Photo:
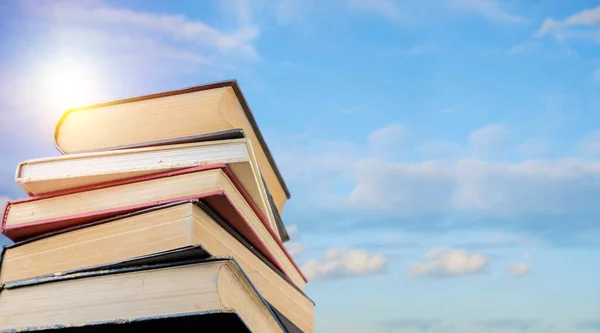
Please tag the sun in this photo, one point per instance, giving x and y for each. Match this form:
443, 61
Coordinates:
67, 83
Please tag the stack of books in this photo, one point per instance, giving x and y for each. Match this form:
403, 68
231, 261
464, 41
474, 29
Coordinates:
163, 211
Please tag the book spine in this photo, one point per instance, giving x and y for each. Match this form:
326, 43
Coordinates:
263, 220
4, 216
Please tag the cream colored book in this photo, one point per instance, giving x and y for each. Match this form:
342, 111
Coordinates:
136, 294
159, 230
168, 115
47, 175
213, 184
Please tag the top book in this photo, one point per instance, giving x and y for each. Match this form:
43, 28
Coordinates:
165, 117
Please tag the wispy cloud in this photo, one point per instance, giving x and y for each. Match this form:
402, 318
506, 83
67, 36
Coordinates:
294, 248
165, 32
389, 135
292, 231
412, 11
466, 184
489, 9
111, 51
583, 24
449, 263
342, 262
497, 189
449, 183
488, 139
388, 141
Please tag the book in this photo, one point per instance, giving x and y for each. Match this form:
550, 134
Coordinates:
214, 285
163, 233
53, 174
183, 113
215, 184
223, 321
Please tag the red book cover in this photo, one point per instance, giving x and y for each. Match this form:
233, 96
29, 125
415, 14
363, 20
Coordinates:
218, 201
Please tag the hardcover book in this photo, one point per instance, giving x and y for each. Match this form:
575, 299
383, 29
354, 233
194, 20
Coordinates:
170, 232
138, 294
44, 176
176, 114
215, 184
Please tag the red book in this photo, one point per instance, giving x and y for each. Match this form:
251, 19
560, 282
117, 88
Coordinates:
213, 184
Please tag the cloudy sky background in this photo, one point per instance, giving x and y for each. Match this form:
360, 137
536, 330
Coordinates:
443, 156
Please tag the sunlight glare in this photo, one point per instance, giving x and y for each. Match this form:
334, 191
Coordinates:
69, 83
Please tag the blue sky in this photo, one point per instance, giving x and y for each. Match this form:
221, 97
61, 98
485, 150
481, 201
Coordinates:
443, 156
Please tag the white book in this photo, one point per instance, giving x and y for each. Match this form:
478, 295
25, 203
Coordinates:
53, 174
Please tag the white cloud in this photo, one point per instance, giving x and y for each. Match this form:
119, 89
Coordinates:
527, 255
449, 263
519, 270
409, 11
133, 45
294, 248
462, 185
343, 262
113, 52
169, 29
580, 25
488, 137
465, 184
388, 140
489, 9
292, 231
471, 185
